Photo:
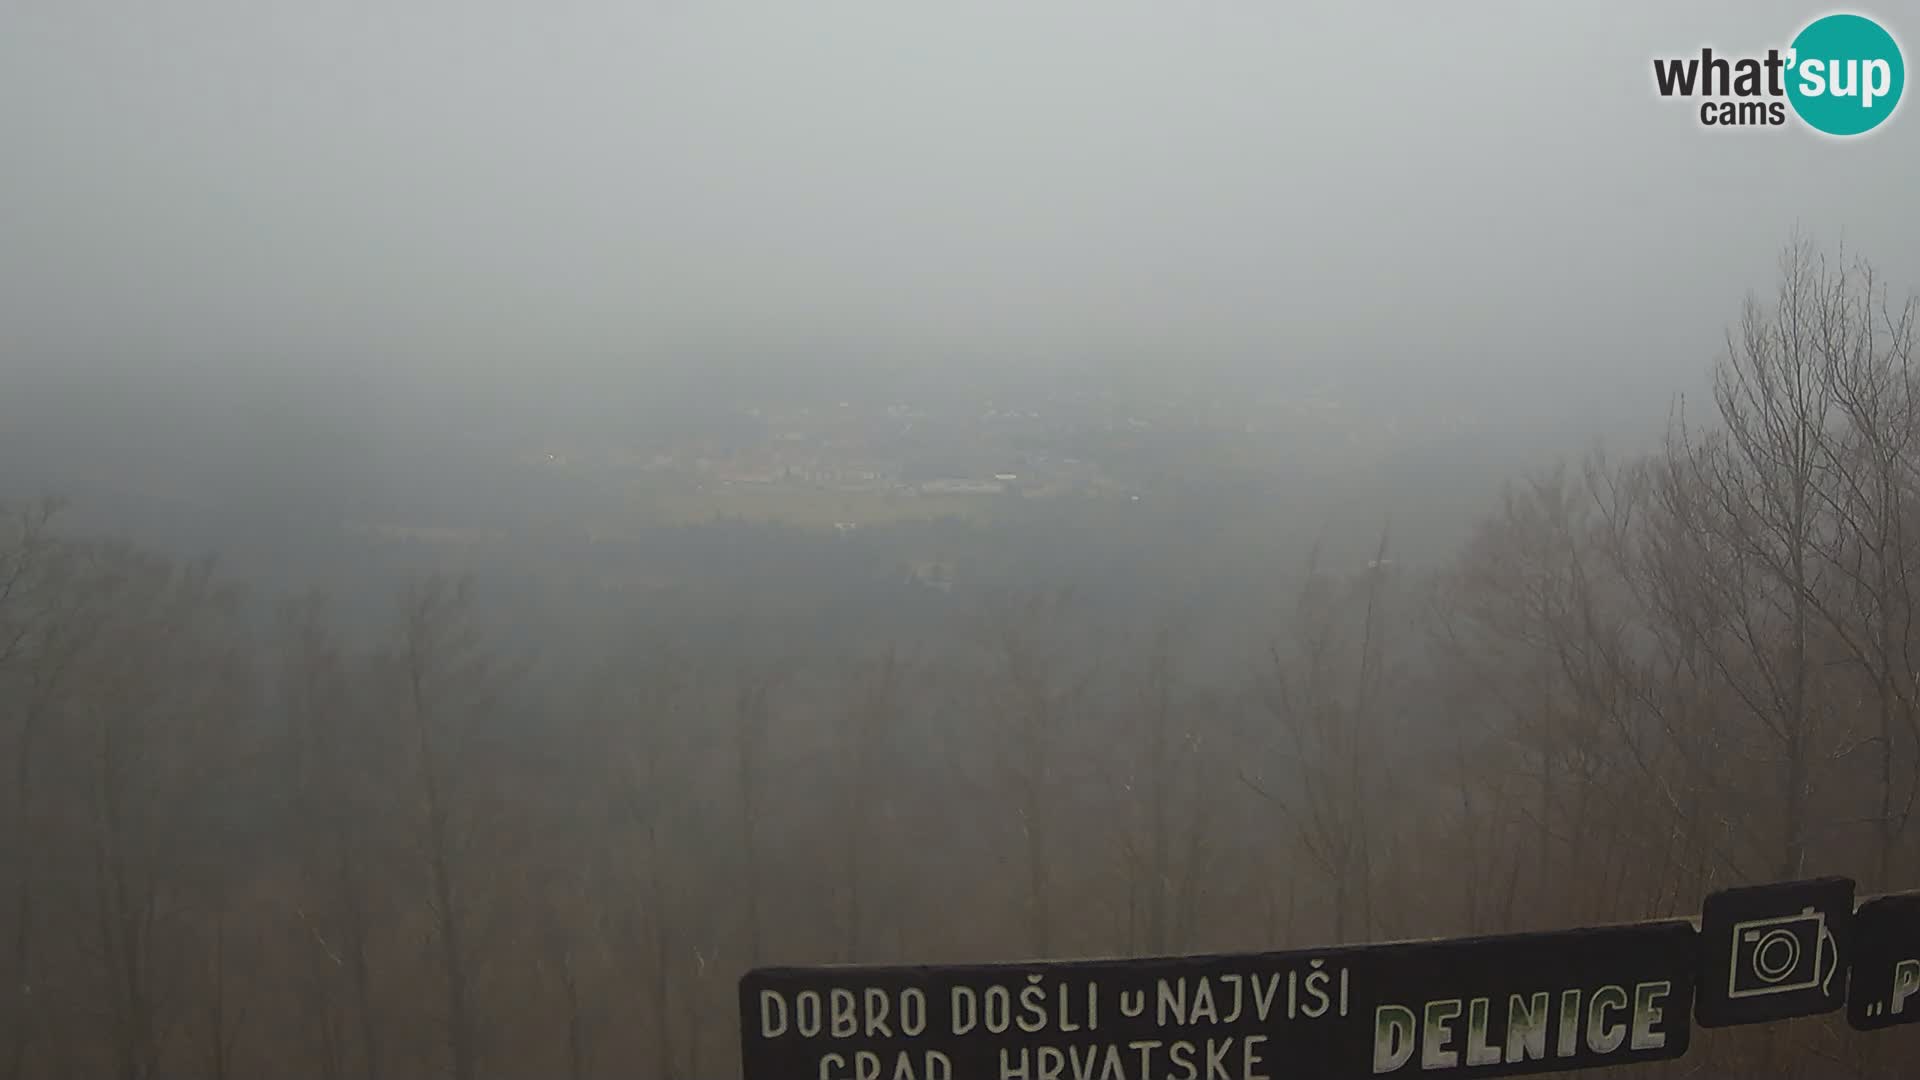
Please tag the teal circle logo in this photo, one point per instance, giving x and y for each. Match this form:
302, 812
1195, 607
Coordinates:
1846, 76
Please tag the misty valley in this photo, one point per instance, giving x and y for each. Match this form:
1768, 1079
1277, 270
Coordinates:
518, 778
958, 541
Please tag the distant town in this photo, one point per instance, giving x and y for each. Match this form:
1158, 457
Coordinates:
1047, 446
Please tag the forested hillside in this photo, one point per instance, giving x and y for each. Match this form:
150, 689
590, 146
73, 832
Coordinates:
243, 839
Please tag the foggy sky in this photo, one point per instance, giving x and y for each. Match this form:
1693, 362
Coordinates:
576, 197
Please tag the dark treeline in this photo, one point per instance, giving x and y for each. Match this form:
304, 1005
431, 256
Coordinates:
288, 851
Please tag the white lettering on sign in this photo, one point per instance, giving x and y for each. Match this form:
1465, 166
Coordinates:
867, 1065
1527, 1026
1612, 1018
1226, 999
1597, 997
1602, 1037
1647, 1011
997, 1010
1906, 980
873, 1013
1478, 1052
1230, 1058
1204, 1017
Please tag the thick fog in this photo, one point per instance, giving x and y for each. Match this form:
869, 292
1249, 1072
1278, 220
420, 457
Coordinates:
574, 198
516, 515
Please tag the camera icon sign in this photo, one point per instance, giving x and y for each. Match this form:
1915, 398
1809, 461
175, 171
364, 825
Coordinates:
1771, 952
1782, 955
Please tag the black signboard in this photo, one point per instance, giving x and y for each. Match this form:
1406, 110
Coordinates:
1495, 1006
1885, 990
1769, 952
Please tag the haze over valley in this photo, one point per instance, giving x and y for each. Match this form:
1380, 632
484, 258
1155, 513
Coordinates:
513, 520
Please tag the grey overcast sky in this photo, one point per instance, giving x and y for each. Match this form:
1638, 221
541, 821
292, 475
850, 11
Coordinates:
587, 192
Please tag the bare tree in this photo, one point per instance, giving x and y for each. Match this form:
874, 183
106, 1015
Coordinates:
1748, 500
1168, 811
566, 934
1322, 701
1863, 347
752, 713
40, 638
867, 734
222, 1017
446, 682
334, 784
1035, 693
641, 713
158, 689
